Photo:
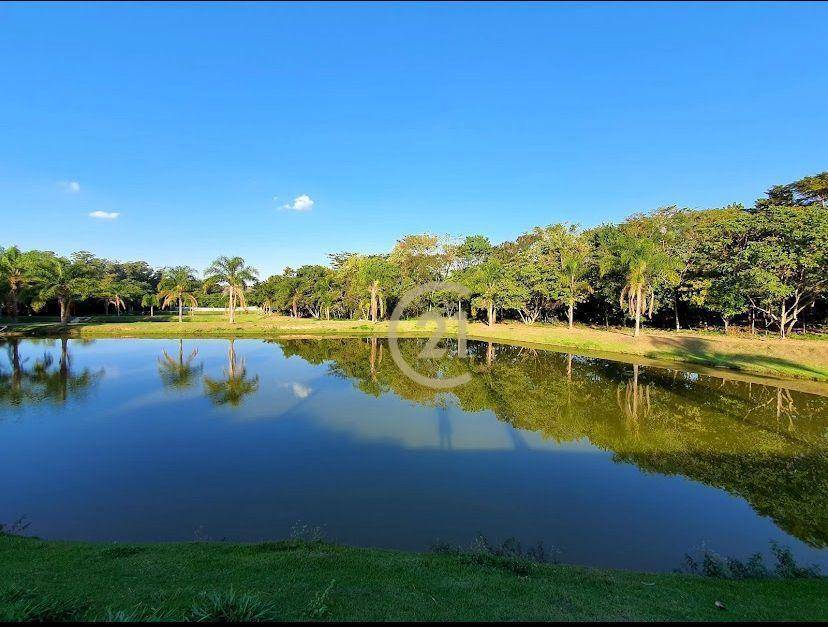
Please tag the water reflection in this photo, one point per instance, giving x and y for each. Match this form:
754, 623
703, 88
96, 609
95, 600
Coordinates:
179, 373
332, 432
25, 381
235, 385
768, 445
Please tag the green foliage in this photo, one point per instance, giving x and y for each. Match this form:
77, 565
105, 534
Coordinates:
766, 264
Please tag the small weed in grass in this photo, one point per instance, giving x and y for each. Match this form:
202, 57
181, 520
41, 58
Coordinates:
509, 555
232, 607
319, 608
121, 551
15, 528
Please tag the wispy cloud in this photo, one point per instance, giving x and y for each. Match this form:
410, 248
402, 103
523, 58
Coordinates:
300, 203
70, 187
104, 215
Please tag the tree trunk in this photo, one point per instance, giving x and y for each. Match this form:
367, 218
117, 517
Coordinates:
152, 311
675, 306
637, 313
374, 289
726, 324
180, 310
373, 358
13, 303
294, 310
491, 314
783, 320
64, 366
64, 310
571, 314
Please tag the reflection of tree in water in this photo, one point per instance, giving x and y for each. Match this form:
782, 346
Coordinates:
236, 384
12, 391
633, 400
444, 427
766, 444
180, 372
46, 380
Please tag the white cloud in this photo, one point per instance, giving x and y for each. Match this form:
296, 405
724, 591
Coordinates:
70, 187
104, 215
299, 390
300, 203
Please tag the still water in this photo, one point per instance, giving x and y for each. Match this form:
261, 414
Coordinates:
613, 464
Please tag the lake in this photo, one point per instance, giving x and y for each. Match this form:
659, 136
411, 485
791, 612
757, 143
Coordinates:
612, 464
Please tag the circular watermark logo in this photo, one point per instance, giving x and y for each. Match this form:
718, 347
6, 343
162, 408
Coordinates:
432, 350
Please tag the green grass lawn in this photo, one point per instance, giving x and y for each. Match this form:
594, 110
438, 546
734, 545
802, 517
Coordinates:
299, 580
798, 358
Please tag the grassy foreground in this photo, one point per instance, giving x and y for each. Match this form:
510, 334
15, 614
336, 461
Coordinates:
301, 580
791, 358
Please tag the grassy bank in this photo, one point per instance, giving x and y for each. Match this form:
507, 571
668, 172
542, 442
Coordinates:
297, 580
800, 358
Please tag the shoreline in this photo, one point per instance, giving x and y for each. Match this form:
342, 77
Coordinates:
789, 359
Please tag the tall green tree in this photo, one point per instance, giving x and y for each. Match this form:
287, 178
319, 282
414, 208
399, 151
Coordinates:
15, 272
63, 280
233, 275
374, 276
569, 253
152, 301
644, 266
177, 285
786, 261
494, 287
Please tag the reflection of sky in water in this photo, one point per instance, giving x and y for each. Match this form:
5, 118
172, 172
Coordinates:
126, 458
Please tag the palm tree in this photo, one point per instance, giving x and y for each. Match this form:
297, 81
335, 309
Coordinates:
644, 266
14, 270
151, 301
177, 285
574, 257
232, 275
235, 385
62, 279
179, 373
117, 302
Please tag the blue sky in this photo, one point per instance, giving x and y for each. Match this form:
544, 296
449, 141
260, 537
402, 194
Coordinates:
188, 120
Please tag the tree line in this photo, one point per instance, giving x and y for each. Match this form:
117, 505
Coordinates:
765, 266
